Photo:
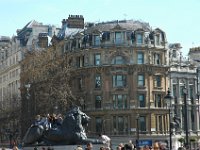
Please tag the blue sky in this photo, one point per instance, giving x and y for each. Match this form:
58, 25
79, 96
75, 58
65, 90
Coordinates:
180, 19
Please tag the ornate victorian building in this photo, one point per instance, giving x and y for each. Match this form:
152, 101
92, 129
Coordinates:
120, 76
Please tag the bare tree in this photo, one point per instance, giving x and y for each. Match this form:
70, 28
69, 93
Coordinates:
48, 74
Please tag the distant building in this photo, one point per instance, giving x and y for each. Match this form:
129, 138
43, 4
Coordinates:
34, 36
183, 73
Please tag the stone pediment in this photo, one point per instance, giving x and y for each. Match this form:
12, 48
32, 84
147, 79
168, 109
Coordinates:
117, 28
96, 31
79, 35
140, 30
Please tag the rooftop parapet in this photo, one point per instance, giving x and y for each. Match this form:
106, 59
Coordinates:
194, 49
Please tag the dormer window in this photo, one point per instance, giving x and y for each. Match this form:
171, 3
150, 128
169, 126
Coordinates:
139, 38
157, 39
174, 53
106, 36
118, 38
96, 40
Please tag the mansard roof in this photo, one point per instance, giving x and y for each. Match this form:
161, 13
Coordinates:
28, 26
122, 25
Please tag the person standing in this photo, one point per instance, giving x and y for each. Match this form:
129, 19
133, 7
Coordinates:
106, 140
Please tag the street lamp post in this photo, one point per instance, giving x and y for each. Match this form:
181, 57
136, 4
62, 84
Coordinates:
168, 100
138, 129
185, 117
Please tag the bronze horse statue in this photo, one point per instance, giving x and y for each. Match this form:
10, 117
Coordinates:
70, 132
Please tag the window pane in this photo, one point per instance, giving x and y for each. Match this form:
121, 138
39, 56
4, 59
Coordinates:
140, 58
139, 38
98, 125
106, 36
142, 123
118, 37
157, 60
97, 81
119, 80
158, 81
120, 124
158, 102
96, 40
98, 101
118, 60
141, 100
97, 59
140, 80
120, 101
157, 39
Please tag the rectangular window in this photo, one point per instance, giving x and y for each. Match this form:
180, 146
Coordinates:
174, 53
106, 36
114, 124
140, 58
120, 124
99, 125
157, 60
98, 101
157, 81
141, 80
118, 38
80, 61
181, 91
142, 124
139, 38
174, 90
157, 39
191, 90
119, 101
160, 124
119, 80
118, 60
141, 98
158, 102
96, 40
97, 59
98, 81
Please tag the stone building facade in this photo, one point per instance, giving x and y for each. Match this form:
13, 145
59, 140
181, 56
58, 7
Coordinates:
183, 74
120, 77
10, 97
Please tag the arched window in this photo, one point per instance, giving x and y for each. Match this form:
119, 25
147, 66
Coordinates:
118, 60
